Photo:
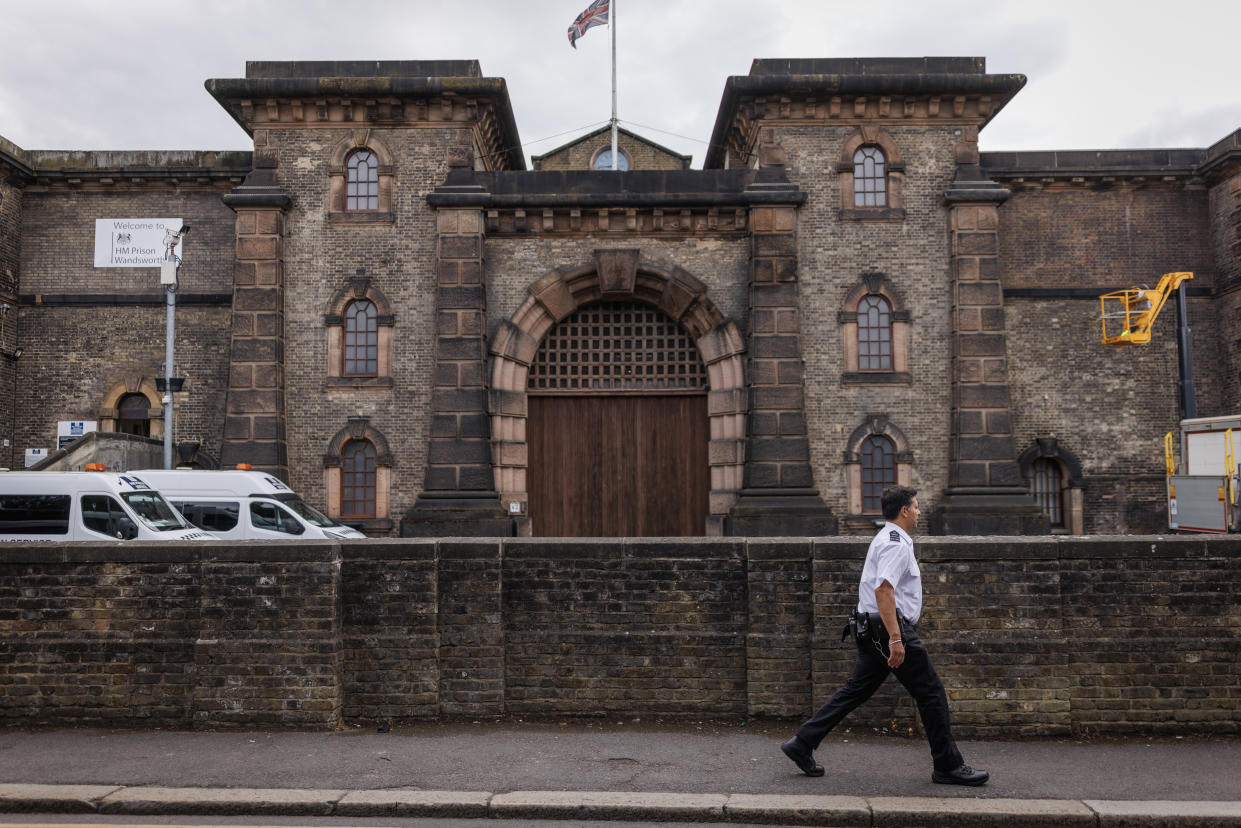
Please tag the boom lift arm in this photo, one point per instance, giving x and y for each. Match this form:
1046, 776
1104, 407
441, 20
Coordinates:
1133, 312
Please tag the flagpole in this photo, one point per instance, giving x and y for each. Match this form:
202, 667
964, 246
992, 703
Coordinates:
612, 26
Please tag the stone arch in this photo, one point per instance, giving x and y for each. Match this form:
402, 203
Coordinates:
132, 383
620, 275
361, 139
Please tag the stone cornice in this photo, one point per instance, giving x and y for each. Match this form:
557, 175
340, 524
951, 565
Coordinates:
913, 97
353, 102
1194, 167
1223, 158
108, 171
669, 190
13, 164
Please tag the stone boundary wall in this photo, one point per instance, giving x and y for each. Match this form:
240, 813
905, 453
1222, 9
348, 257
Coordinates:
1033, 636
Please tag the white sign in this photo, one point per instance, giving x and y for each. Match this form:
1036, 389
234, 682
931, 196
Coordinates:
132, 242
69, 430
34, 456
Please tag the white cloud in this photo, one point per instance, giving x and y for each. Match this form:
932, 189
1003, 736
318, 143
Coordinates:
78, 74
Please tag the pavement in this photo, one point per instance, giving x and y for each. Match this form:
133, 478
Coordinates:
616, 769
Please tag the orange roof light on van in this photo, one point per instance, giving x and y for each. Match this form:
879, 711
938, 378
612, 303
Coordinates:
96, 467
244, 467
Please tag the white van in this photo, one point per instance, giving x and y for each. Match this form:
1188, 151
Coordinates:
244, 505
90, 505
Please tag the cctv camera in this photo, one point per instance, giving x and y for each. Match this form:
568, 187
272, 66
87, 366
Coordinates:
185, 228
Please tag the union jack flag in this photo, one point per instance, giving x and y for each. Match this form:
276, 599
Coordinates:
596, 14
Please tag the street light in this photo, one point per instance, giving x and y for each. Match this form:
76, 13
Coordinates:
168, 278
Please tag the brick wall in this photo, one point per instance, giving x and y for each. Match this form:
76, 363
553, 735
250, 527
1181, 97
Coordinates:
74, 354
514, 263
1099, 236
398, 257
1032, 636
10, 247
913, 254
1225, 206
10, 251
1063, 378
625, 626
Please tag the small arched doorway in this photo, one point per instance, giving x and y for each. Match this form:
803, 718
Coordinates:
618, 430
133, 415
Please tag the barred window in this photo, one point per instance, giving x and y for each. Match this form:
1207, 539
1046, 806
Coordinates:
1045, 486
361, 353
362, 182
874, 334
617, 346
870, 185
358, 479
878, 471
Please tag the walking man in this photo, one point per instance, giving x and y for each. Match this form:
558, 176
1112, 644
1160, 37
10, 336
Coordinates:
889, 604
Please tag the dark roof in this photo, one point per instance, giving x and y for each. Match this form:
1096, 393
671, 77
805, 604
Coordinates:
363, 69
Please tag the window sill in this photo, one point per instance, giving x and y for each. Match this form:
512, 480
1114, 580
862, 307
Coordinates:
369, 526
876, 378
862, 524
358, 382
873, 214
335, 217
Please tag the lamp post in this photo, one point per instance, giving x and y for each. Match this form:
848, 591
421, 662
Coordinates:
168, 278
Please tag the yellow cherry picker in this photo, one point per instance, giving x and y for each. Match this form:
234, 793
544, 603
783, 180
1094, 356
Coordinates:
1203, 497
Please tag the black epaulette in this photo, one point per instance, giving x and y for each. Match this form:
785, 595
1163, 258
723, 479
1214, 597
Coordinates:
895, 535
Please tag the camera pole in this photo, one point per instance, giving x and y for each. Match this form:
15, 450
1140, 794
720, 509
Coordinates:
169, 269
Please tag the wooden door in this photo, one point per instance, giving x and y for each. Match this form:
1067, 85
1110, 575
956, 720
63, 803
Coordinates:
618, 466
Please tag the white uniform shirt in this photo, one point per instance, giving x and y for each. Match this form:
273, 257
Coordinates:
891, 558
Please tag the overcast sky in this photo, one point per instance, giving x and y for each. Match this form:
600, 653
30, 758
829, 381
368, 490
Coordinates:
128, 74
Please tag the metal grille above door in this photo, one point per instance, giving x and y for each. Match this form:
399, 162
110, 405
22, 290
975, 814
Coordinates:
616, 347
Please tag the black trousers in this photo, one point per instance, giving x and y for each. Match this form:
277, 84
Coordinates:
916, 674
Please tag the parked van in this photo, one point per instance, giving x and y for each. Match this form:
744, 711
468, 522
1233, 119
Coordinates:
89, 505
244, 505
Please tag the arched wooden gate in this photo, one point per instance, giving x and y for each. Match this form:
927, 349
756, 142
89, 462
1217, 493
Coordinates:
618, 429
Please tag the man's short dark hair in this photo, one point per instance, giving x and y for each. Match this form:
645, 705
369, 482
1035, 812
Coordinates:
894, 499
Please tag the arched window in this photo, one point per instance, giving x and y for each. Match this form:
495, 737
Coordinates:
1045, 485
870, 182
1054, 477
603, 160
134, 415
878, 471
358, 479
361, 351
874, 333
874, 328
362, 182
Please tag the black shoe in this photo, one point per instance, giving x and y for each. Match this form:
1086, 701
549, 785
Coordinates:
964, 775
802, 756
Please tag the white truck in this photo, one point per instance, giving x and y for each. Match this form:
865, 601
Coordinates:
87, 505
1203, 497
244, 505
